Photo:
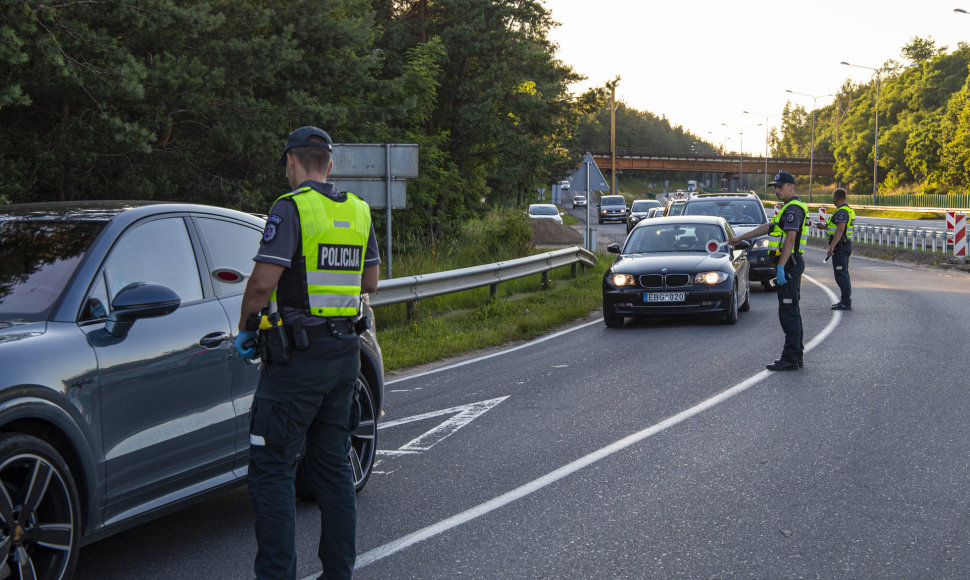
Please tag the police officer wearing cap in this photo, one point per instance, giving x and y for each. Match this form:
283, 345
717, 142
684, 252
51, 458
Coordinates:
839, 229
317, 255
788, 237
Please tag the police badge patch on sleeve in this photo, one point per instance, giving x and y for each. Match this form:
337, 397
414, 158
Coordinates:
272, 228
789, 217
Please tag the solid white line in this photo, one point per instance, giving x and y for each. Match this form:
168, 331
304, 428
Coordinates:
403, 542
488, 356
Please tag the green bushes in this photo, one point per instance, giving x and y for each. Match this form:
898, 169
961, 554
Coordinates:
453, 324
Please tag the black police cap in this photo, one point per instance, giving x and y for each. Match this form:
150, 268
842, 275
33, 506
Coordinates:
302, 138
782, 177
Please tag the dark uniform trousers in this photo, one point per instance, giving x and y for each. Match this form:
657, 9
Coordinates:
789, 313
840, 265
306, 400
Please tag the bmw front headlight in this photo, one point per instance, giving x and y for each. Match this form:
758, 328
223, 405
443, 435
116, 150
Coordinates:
710, 278
620, 280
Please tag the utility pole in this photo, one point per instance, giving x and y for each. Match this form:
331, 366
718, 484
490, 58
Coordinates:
612, 86
613, 137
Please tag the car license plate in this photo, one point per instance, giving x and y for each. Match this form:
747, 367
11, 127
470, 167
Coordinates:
664, 297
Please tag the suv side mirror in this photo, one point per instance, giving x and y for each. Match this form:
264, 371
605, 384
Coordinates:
139, 300
613, 248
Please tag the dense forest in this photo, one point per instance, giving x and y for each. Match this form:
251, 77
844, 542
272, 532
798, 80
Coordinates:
191, 101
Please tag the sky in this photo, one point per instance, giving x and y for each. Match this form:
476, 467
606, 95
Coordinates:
701, 63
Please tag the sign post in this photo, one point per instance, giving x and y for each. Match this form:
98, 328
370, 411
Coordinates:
591, 178
376, 173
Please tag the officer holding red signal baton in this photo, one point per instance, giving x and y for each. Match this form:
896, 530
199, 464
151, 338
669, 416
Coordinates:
788, 232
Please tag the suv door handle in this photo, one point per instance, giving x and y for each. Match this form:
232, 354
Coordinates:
214, 339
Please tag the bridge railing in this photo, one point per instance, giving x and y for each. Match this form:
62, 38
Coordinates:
629, 152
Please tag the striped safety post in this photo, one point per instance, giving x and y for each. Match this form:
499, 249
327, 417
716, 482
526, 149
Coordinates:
822, 217
951, 218
778, 208
960, 236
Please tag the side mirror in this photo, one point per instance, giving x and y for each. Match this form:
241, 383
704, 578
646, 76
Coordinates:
742, 245
139, 300
613, 248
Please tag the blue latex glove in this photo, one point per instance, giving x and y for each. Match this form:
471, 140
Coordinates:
244, 337
780, 279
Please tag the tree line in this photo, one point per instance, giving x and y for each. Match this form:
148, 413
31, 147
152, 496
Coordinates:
924, 124
192, 101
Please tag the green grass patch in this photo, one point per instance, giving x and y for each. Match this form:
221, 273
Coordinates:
569, 220
454, 324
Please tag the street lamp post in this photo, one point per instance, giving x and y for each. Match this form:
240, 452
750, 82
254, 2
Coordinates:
741, 129
766, 145
875, 145
811, 159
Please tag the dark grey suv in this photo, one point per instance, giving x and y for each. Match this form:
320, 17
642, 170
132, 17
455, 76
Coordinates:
745, 212
121, 396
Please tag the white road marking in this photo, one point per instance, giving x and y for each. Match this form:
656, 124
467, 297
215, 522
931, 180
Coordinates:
462, 416
494, 354
482, 509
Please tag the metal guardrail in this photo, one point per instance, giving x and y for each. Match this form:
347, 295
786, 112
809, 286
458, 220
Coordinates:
909, 238
413, 288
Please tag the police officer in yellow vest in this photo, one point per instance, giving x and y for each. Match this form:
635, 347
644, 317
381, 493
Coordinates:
788, 232
839, 227
317, 255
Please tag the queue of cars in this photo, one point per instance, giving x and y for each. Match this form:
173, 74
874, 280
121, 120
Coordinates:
679, 264
122, 397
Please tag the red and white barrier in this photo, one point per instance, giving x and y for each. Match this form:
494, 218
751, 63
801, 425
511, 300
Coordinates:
822, 217
951, 217
778, 207
960, 236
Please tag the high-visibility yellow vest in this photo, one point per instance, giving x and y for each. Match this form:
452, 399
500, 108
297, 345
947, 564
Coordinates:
776, 234
831, 226
334, 237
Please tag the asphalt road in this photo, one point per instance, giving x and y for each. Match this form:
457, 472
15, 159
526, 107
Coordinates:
660, 449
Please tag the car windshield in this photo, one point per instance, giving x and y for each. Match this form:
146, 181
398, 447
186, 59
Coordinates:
543, 210
37, 259
735, 211
672, 238
613, 200
643, 206
676, 209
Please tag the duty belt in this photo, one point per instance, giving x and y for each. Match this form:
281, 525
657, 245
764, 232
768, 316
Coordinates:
331, 327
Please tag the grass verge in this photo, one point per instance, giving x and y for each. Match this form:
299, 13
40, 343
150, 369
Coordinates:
450, 325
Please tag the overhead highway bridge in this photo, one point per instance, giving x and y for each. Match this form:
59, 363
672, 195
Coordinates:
732, 165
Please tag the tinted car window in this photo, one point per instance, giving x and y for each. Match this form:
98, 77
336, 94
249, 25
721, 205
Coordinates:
672, 238
644, 205
230, 246
738, 211
540, 210
613, 200
136, 258
37, 258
